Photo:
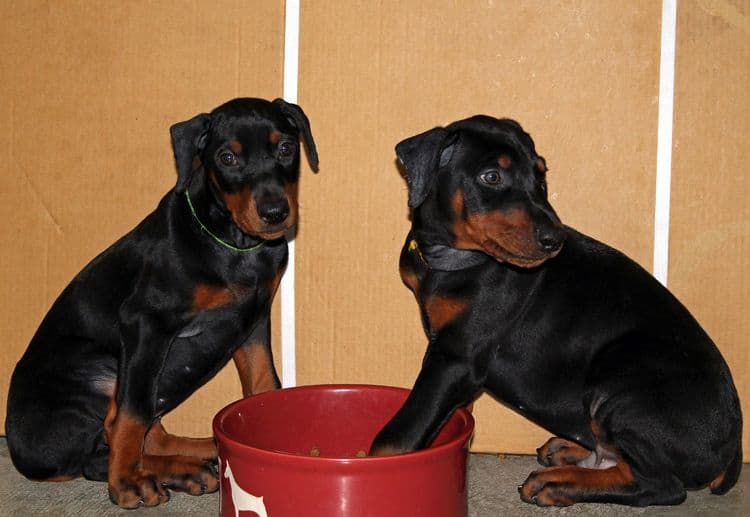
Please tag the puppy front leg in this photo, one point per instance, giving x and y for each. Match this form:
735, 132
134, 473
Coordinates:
131, 414
254, 360
130, 486
443, 385
160, 443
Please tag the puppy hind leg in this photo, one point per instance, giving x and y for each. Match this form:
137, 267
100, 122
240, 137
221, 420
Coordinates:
570, 484
50, 445
727, 479
96, 466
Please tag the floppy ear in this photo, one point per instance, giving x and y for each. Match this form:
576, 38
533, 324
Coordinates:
421, 156
298, 118
188, 139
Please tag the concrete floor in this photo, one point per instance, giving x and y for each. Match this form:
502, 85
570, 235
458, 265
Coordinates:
492, 493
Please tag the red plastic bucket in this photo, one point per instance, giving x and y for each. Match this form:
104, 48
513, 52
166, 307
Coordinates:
295, 453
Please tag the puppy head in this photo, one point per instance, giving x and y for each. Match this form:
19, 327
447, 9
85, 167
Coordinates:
480, 183
250, 153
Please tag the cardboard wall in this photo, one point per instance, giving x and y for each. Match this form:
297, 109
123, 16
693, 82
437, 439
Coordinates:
709, 267
582, 80
90, 91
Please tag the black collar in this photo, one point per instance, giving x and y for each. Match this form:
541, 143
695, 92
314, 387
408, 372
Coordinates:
440, 257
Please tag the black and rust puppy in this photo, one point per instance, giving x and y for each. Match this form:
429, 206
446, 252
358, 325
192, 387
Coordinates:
564, 329
158, 313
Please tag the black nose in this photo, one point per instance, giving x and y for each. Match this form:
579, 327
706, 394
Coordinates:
550, 238
275, 212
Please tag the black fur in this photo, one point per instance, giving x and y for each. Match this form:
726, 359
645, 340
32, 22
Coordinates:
565, 330
158, 313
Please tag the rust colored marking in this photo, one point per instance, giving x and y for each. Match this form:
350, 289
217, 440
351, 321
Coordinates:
56, 479
244, 369
507, 235
558, 451
292, 197
245, 215
125, 437
255, 367
441, 310
159, 442
130, 486
541, 164
505, 161
207, 297
274, 137
410, 279
109, 418
595, 428
244, 211
563, 486
457, 203
212, 177
274, 282
185, 474
236, 147
716, 483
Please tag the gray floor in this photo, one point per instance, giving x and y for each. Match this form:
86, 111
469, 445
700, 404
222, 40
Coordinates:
492, 492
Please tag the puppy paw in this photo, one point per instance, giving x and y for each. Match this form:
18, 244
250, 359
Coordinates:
558, 451
185, 473
541, 490
140, 488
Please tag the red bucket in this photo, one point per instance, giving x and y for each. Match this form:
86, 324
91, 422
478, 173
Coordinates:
297, 453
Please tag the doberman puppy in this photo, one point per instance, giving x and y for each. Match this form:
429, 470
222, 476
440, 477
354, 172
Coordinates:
158, 314
565, 330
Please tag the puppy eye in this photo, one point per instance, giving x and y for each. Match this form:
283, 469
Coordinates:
286, 149
491, 178
228, 159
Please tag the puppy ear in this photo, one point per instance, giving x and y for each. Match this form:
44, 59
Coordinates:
298, 118
421, 156
188, 139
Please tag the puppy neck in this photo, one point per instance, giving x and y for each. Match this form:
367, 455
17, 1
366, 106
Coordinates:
441, 257
212, 219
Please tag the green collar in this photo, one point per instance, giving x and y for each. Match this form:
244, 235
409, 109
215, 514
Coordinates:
216, 238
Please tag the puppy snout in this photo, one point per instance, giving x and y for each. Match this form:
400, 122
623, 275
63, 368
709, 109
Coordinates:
274, 212
550, 238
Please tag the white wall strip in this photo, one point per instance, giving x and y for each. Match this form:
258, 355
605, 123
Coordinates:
664, 140
288, 330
